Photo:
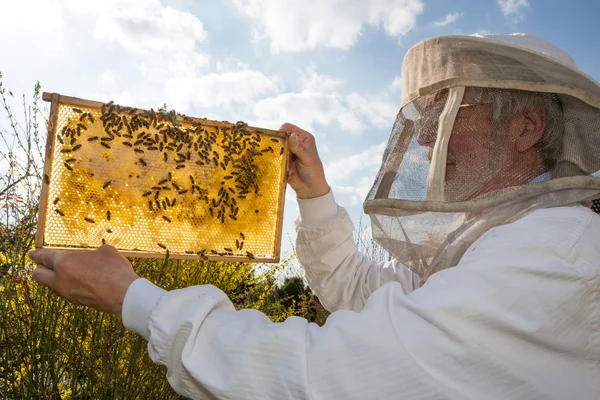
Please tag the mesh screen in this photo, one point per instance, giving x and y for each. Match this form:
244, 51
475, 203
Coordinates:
145, 181
501, 139
501, 142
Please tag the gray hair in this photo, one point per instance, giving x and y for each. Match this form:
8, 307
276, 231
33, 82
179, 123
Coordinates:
507, 103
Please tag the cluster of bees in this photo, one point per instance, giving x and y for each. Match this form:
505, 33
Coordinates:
153, 135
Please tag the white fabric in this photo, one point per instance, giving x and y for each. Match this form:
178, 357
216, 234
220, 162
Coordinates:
532, 43
517, 318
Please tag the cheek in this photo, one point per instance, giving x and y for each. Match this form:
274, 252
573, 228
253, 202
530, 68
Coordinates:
467, 140
462, 142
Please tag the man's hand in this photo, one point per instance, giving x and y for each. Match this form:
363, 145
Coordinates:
98, 278
305, 169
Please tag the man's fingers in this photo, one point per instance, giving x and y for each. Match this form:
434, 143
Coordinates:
44, 276
48, 258
291, 128
107, 248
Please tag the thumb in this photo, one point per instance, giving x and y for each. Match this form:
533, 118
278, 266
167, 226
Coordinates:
299, 149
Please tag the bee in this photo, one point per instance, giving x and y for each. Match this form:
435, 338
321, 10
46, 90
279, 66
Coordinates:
237, 244
163, 181
165, 156
108, 215
138, 150
152, 148
275, 140
189, 252
56, 200
81, 127
162, 246
160, 146
72, 141
67, 166
212, 213
146, 194
233, 217
249, 255
281, 152
127, 144
91, 221
71, 160
109, 231
214, 252
200, 163
169, 176
105, 145
103, 241
65, 150
183, 191
106, 184
255, 211
90, 117
180, 166
176, 186
228, 177
166, 218
46, 179
143, 162
62, 214
227, 249
164, 206
150, 205
77, 110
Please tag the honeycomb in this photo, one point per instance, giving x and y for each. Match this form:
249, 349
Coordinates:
149, 181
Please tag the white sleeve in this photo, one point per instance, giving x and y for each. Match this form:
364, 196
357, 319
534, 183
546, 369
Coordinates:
337, 272
502, 324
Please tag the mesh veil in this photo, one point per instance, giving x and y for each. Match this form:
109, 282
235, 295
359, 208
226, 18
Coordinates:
487, 132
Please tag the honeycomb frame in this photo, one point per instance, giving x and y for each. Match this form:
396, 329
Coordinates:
153, 183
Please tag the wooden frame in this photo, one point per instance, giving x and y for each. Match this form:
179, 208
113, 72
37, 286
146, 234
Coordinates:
56, 99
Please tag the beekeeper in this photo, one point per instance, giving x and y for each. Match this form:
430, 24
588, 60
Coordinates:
482, 198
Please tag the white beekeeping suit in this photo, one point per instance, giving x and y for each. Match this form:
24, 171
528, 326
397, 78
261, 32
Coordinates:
494, 292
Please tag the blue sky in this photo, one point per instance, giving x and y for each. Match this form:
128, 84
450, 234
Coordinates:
330, 66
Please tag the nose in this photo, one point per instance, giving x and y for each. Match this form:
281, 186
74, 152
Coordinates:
426, 132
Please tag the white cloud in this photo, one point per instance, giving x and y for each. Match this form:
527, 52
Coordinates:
449, 19
220, 89
380, 112
142, 25
295, 26
314, 81
33, 25
304, 109
513, 8
322, 101
396, 84
366, 162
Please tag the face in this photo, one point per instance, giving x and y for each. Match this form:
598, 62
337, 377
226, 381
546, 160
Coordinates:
481, 152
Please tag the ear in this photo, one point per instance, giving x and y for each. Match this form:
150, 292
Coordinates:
532, 129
